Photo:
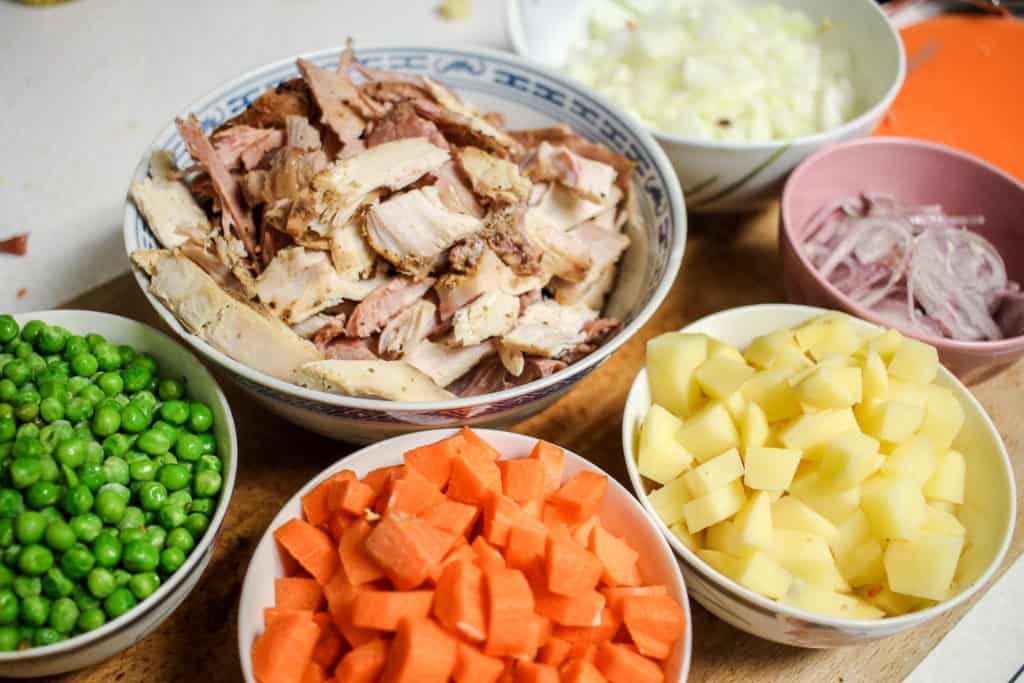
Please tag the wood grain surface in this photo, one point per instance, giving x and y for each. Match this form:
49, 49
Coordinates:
730, 261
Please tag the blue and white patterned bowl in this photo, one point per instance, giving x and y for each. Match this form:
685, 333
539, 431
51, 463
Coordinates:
529, 96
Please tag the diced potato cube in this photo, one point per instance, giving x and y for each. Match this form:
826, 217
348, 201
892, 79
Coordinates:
671, 361
709, 432
886, 343
943, 416
716, 347
893, 604
811, 332
736, 404
754, 430
792, 513
862, 565
915, 361
714, 474
661, 458
769, 469
914, 459
753, 523
839, 339
908, 392
942, 522
874, 378
848, 459
947, 482
894, 506
892, 421
830, 386
722, 537
692, 541
943, 505
809, 431
763, 351
924, 565
770, 390
852, 531
761, 574
811, 598
808, 557
722, 503
720, 376
825, 500
670, 500
723, 563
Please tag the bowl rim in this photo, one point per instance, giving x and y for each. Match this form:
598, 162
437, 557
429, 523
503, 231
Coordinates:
204, 545
514, 31
686, 642
789, 190
676, 214
761, 603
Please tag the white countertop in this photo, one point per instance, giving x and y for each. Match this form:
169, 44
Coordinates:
88, 85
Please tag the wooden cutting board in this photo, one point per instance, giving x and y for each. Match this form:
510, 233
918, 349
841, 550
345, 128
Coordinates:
730, 261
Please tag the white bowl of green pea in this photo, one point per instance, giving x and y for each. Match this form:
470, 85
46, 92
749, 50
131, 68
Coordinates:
117, 463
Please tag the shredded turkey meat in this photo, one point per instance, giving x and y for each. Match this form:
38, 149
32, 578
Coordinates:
371, 233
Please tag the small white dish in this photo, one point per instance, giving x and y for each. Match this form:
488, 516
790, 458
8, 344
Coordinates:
988, 512
619, 512
120, 633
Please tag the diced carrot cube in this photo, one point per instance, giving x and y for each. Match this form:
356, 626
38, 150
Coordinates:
532, 672
352, 497
271, 613
552, 457
412, 493
315, 503
580, 497
581, 671
654, 623
359, 566
522, 479
473, 666
382, 610
315, 673
337, 522
459, 603
619, 664
341, 596
605, 630
584, 650
473, 480
329, 647
532, 508
554, 652
422, 652
616, 595
363, 664
487, 557
381, 477
311, 548
476, 447
527, 543
298, 593
581, 534
460, 553
545, 629
407, 549
582, 609
500, 513
453, 516
571, 569
510, 609
285, 648
620, 566
434, 461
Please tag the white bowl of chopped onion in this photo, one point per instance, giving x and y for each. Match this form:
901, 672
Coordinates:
737, 92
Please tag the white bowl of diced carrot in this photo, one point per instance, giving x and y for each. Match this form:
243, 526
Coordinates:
472, 556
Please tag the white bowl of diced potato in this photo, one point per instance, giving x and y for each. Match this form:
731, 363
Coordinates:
825, 481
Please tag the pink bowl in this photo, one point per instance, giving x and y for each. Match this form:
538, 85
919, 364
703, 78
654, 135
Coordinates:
921, 173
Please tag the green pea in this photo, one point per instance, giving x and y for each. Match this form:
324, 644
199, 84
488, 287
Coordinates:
171, 559
76, 384
111, 383
22, 350
91, 619
29, 527
107, 550
6, 575
140, 556
93, 394
85, 365
133, 420
145, 398
36, 363
119, 602
9, 638
101, 582
146, 360
63, 615
203, 505
181, 538
17, 371
106, 420
82, 597
28, 586
108, 356
144, 584
6, 532
8, 389
77, 562
51, 409
27, 431
6, 411
132, 519
9, 607
91, 476
172, 516
110, 507
77, 500
116, 470
136, 378
50, 340
78, 408
94, 339
35, 559
153, 442
75, 345
8, 427
180, 498
86, 527
174, 477
200, 417
60, 536
196, 524
94, 453
209, 463
48, 469
170, 390
56, 585
152, 495
8, 328
71, 452
35, 610
168, 430
116, 445
127, 354
27, 412
206, 484
11, 502
45, 636
131, 534
25, 471
143, 469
